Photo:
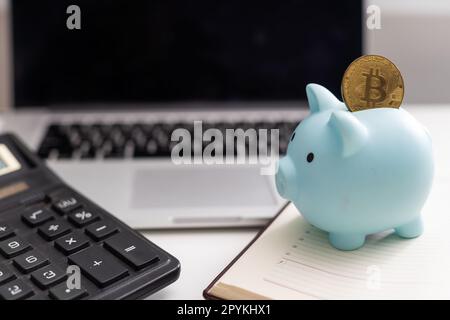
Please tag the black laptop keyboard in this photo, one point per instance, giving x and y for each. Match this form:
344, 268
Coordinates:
138, 140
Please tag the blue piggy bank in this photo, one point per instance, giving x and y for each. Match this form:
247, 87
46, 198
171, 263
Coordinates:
354, 174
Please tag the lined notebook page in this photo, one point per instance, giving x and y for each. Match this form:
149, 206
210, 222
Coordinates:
293, 260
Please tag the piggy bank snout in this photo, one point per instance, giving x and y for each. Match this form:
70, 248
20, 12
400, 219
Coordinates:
285, 178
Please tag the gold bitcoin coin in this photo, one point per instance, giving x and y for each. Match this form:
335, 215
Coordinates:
372, 81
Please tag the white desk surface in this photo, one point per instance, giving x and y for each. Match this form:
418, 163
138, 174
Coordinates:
204, 253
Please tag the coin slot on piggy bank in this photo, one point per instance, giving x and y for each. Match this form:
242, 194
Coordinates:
352, 174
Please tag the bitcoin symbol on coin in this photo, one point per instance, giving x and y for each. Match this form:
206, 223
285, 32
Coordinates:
372, 81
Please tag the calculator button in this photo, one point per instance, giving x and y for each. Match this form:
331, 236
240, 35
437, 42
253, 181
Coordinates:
82, 217
132, 249
5, 231
13, 247
65, 202
30, 261
101, 230
33, 198
72, 242
36, 216
61, 292
5, 274
99, 265
15, 290
54, 229
47, 276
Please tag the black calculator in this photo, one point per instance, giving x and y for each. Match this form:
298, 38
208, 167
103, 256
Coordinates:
57, 244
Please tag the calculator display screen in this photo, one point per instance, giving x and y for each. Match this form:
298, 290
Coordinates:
8, 163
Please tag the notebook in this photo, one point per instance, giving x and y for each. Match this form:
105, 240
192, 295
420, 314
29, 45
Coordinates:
291, 259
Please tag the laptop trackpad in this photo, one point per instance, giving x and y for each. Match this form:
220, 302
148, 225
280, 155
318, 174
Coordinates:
202, 186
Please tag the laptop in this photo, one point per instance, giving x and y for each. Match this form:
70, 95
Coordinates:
99, 90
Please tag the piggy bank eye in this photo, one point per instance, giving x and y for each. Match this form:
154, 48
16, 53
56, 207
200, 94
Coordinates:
310, 157
293, 136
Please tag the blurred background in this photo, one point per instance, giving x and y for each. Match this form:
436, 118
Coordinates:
414, 34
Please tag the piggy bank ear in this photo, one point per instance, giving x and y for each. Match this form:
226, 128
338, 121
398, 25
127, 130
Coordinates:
352, 133
320, 98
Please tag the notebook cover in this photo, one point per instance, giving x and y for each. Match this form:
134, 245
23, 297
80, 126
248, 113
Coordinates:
208, 296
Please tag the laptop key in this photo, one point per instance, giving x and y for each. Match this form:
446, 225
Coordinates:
99, 265
62, 292
15, 290
30, 261
13, 247
131, 249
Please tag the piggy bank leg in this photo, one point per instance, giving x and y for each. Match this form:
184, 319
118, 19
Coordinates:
410, 230
345, 241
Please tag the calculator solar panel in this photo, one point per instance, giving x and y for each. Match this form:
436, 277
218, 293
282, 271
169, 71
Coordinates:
57, 244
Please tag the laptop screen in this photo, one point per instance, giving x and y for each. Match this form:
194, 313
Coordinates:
180, 51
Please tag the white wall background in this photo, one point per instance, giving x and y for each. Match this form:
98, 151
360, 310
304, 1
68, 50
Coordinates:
415, 34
